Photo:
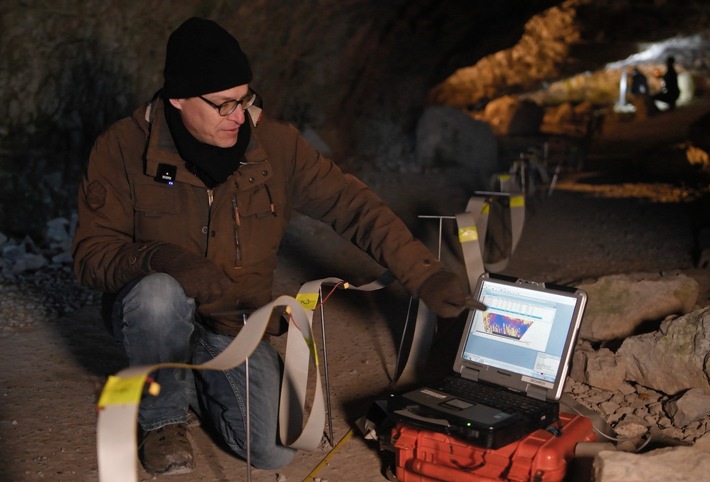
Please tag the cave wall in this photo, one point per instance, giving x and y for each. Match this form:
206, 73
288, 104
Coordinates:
355, 72
581, 36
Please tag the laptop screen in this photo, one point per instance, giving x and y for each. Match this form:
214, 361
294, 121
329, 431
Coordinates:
525, 330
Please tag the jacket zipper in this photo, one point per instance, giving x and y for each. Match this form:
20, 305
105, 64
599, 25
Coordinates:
210, 200
237, 223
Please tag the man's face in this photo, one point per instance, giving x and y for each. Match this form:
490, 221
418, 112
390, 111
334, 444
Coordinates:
204, 122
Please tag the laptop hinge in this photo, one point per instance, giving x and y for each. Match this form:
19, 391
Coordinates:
470, 373
539, 393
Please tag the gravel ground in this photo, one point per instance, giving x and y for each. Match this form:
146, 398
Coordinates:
32, 298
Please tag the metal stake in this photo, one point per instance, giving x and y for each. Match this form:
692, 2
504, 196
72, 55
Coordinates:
325, 369
441, 228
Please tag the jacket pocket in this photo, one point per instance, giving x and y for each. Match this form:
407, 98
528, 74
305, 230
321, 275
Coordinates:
158, 214
258, 201
156, 200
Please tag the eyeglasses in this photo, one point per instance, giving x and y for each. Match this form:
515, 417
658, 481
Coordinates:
226, 108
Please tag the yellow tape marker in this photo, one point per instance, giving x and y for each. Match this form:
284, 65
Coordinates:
468, 233
312, 348
504, 177
486, 208
308, 301
122, 391
517, 201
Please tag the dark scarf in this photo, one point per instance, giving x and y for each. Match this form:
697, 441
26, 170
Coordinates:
212, 164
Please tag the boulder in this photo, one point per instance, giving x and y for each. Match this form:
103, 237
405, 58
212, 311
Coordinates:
600, 369
618, 304
510, 116
674, 358
662, 465
692, 405
448, 137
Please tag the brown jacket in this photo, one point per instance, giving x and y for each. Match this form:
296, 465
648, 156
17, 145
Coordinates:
123, 210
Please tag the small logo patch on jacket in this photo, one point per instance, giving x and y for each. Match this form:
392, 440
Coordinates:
95, 195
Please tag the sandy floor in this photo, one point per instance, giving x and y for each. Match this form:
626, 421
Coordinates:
591, 226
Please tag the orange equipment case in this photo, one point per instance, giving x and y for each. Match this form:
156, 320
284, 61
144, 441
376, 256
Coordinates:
425, 456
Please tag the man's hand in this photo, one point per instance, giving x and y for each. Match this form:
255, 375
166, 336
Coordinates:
199, 277
443, 293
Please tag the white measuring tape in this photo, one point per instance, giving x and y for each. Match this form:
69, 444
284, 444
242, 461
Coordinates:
119, 401
473, 228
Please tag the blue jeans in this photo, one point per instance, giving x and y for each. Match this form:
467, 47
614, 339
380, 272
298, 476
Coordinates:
155, 322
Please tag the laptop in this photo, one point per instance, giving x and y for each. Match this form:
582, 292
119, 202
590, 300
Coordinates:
510, 367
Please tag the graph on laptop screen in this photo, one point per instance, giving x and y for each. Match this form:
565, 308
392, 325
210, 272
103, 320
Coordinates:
523, 330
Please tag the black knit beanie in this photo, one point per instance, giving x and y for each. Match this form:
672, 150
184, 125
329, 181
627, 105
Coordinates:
202, 58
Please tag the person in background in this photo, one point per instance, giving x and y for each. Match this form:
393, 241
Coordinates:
669, 89
182, 209
639, 83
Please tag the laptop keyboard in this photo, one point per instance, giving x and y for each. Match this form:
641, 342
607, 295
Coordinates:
492, 396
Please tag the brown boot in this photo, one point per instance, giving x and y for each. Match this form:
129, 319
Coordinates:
167, 450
